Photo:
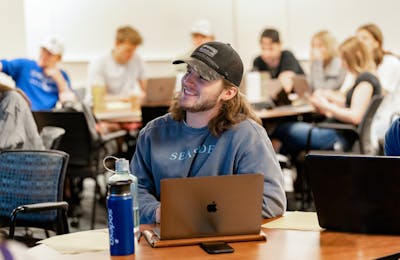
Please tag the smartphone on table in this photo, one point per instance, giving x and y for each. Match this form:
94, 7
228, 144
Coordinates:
217, 247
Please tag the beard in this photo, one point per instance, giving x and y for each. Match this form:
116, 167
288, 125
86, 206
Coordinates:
199, 105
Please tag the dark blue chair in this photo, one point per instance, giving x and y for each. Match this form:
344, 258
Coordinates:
31, 190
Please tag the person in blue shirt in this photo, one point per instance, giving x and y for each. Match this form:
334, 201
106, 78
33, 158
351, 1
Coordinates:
42, 81
211, 130
392, 139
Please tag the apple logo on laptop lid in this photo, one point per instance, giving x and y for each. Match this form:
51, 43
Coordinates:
212, 207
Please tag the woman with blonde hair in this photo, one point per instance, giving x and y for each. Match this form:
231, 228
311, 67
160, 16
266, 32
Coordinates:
18, 129
357, 60
326, 71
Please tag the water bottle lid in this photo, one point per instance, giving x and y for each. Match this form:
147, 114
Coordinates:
119, 187
122, 165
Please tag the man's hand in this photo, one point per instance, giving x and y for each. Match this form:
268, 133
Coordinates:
54, 73
64, 93
286, 79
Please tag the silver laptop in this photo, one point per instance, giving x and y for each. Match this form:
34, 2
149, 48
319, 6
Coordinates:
211, 206
160, 91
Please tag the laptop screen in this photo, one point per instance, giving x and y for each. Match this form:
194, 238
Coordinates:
160, 90
356, 193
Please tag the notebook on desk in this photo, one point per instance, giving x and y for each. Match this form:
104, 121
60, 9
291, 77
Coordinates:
160, 91
211, 206
356, 193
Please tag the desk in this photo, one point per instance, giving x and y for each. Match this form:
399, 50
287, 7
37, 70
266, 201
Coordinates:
281, 244
285, 111
135, 115
122, 116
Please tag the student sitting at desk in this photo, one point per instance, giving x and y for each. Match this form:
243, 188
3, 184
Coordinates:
326, 69
211, 130
357, 60
119, 70
281, 64
42, 81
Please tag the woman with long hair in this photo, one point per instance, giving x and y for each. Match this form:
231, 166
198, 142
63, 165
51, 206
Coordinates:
387, 64
326, 71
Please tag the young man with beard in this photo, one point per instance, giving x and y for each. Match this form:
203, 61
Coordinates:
210, 130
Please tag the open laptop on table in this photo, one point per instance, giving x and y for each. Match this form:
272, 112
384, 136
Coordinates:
356, 193
276, 92
211, 206
160, 91
301, 86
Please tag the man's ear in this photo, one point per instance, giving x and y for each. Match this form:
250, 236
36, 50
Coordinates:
229, 93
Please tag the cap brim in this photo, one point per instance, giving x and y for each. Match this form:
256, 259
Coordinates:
49, 49
201, 68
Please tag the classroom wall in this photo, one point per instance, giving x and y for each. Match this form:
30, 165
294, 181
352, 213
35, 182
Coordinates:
88, 26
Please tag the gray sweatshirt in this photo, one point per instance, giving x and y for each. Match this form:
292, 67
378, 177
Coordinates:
170, 149
18, 129
329, 77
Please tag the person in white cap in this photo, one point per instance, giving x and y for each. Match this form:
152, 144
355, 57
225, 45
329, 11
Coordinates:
201, 33
42, 81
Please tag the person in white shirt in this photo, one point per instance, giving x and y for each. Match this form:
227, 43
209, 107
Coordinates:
121, 69
388, 71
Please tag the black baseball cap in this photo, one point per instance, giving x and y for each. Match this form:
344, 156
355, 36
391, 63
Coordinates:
216, 60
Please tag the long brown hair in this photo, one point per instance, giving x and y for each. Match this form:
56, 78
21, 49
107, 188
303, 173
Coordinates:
356, 55
376, 33
231, 112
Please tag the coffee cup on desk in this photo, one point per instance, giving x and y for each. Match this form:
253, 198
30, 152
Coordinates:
135, 102
98, 94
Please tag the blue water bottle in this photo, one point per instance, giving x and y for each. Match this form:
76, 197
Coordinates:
120, 220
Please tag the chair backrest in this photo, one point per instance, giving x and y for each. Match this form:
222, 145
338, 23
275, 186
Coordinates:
51, 136
78, 140
364, 128
151, 112
31, 176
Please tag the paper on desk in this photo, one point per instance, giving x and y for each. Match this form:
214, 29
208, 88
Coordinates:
296, 220
79, 242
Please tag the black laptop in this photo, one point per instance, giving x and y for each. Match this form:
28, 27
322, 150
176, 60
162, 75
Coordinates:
355, 193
